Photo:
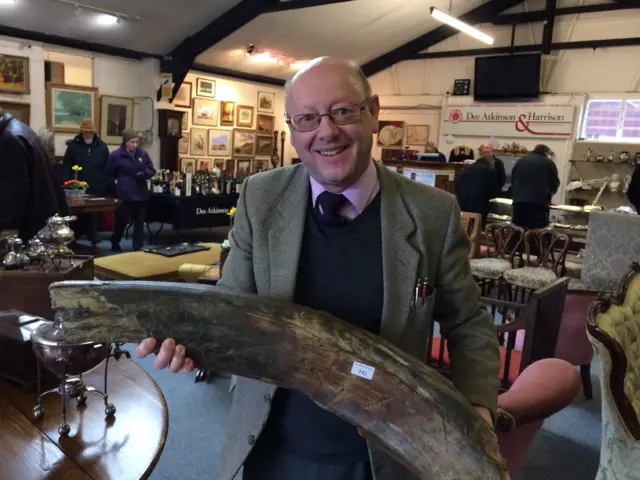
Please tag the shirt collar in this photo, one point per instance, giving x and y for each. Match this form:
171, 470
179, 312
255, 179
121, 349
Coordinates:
358, 194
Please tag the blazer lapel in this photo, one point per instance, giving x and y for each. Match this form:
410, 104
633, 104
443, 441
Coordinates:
400, 260
285, 237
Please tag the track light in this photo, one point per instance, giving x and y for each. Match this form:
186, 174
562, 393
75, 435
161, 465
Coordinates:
459, 25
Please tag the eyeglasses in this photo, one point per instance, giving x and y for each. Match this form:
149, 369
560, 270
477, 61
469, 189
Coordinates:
340, 116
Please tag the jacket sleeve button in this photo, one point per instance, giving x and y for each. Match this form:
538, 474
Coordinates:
251, 439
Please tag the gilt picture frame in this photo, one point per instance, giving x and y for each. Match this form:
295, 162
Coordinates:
266, 102
244, 116
244, 143
206, 112
219, 142
14, 77
19, 110
68, 105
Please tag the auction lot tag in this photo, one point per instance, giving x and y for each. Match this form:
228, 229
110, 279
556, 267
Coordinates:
362, 370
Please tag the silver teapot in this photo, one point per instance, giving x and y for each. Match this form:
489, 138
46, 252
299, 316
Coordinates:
36, 250
61, 232
15, 257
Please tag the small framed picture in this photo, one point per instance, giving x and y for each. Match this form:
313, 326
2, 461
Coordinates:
205, 87
205, 112
198, 141
266, 124
260, 165
183, 144
188, 165
183, 97
264, 145
219, 142
417, 135
218, 163
244, 143
230, 166
266, 102
185, 120
244, 116
243, 167
204, 164
391, 133
227, 113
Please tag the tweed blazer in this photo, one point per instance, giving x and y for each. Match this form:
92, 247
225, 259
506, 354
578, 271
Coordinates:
422, 236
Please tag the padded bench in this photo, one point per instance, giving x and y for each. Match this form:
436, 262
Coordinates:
150, 266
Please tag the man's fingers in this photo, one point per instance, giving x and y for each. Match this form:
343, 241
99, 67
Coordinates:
165, 354
188, 365
145, 347
177, 360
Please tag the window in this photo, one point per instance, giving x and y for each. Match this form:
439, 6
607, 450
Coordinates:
611, 120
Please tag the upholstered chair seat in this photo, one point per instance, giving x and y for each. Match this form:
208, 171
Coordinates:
531, 278
489, 268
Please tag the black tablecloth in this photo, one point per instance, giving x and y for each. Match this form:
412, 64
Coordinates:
185, 213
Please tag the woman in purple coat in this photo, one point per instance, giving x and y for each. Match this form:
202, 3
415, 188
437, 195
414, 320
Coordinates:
131, 166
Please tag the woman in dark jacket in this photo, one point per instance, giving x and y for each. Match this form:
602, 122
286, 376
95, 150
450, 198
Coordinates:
131, 166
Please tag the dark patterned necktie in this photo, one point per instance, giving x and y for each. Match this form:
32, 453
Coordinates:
328, 205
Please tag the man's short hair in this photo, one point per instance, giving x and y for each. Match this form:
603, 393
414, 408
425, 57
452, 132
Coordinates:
362, 78
541, 149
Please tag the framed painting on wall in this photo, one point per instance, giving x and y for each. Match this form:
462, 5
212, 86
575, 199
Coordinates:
227, 113
183, 144
205, 112
21, 111
266, 102
260, 165
417, 134
264, 145
198, 141
183, 97
230, 166
219, 142
68, 105
188, 165
205, 87
185, 120
244, 143
265, 124
116, 114
205, 164
218, 163
244, 116
243, 167
390, 133
14, 74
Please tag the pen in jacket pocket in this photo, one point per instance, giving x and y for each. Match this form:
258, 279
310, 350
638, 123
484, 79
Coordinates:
423, 290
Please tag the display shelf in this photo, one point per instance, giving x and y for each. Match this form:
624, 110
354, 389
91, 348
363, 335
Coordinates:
561, 208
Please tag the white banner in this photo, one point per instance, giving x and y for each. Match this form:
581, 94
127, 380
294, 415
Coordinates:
509, 120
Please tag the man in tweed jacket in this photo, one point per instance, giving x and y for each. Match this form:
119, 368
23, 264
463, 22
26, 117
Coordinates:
342, 233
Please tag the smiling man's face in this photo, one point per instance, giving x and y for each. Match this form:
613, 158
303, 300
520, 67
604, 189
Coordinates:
335, 155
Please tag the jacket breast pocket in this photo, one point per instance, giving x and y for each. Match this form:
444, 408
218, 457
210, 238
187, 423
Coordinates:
419, 326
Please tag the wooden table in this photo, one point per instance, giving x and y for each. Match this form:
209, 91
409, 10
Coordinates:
126, 448
92, 205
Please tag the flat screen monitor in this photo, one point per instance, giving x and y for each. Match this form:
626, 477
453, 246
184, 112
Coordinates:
507, 77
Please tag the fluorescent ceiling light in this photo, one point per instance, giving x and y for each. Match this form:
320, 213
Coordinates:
7, 2
105, 20
463, 27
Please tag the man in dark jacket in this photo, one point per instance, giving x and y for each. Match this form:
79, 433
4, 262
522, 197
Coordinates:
633, 193
487, 152
534, 181
477, 184
131, 166
30, 191
89, 152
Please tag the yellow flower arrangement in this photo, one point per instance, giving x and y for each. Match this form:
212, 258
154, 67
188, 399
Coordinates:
76, 169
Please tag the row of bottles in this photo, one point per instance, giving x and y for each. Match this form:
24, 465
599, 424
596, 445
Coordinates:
189, 184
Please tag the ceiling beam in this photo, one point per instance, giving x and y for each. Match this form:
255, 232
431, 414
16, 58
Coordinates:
541, 15
582, 44
181, 59
67, 42
298, 4
547, 31
481, 14
248, 77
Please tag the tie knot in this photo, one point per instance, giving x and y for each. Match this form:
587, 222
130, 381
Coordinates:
330, 203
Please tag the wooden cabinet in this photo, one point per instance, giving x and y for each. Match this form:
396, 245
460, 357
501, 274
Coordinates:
170, 133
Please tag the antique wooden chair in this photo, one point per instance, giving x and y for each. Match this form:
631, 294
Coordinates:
489, 271
545, 251
472, 224
540, 320
613, 327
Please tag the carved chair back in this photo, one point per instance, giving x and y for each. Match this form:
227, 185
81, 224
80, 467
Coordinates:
546, 248
507, 239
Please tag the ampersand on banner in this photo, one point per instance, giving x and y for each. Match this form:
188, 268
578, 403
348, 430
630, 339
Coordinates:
522, 125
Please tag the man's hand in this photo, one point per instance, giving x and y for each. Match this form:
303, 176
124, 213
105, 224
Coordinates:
484, 413
169, 355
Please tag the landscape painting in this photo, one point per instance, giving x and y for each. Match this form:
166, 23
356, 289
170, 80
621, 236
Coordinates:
219, 142
266, 102
265, 145
205, 112
244, 116
68, 105
244, 143
266, 124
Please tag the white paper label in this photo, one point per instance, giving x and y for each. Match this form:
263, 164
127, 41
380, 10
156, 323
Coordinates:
362, 370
